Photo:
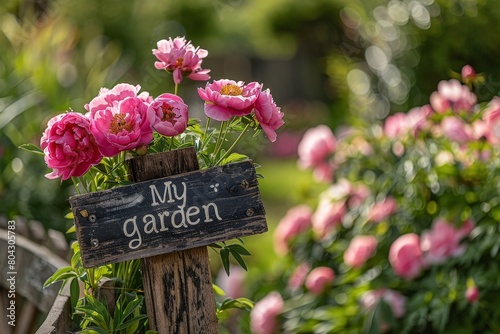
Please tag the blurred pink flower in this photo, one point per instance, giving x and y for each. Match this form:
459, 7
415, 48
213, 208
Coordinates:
226, 98
381, 210
396, 125
468, 74
324, 172
327, 216
405, 256
472, 294
316, 146
394, 299
443, 241
296, 220
168, 115
452, 95
491, 118
298, 277
70, 148
319, 279
232, 285
263, 317
360, 249
418, 118
181, 59
456, 130
359, 194
268, 114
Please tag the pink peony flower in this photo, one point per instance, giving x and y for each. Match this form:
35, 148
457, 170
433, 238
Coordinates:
298, 277
168, 115
456, 130
319, 279
382, 210
268, 114
491, 118
443, 241
394, 299
296, 220
111, 97
328, 216
452, 95
360, 249
181, 59
226, 98
405, 256
316, 146
118, 119
121, 128
263, 317
70, 148
472, 294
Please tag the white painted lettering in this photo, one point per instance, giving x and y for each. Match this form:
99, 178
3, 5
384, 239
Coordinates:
162, 216
208, 219
134, 243
149, 224
183, 218
155, 194
192, 211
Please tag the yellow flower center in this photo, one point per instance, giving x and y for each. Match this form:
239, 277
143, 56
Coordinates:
231, 89
119, 123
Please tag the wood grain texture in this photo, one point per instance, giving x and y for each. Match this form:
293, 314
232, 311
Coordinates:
131, 222
177, 286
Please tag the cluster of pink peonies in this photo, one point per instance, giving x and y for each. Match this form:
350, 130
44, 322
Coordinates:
123, 118
394, 217
409, 254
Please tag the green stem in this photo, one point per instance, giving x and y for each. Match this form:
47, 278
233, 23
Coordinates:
170, 143
75, 183
219, 142
176, 87
234, 145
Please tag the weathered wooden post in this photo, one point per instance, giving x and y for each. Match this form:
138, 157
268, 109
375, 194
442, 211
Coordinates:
167, 219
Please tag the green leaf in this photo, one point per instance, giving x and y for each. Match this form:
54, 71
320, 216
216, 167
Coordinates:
239, 259
93, 330
132, 321
239, 303
60, 274
233, 157
72, 229
217, 289
32, 148
239, 249
224, 255
74, 292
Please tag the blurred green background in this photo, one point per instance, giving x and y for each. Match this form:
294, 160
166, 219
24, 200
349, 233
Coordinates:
326, 61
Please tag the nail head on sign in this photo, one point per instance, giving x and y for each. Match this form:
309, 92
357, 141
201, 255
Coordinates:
94, 242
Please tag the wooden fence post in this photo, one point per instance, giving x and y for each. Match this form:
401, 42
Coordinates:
177, 286
167, 219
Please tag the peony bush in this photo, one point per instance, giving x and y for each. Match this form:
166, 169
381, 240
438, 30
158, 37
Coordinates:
405, 238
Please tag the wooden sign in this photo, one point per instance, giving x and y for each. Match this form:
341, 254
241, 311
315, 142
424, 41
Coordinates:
168, 214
